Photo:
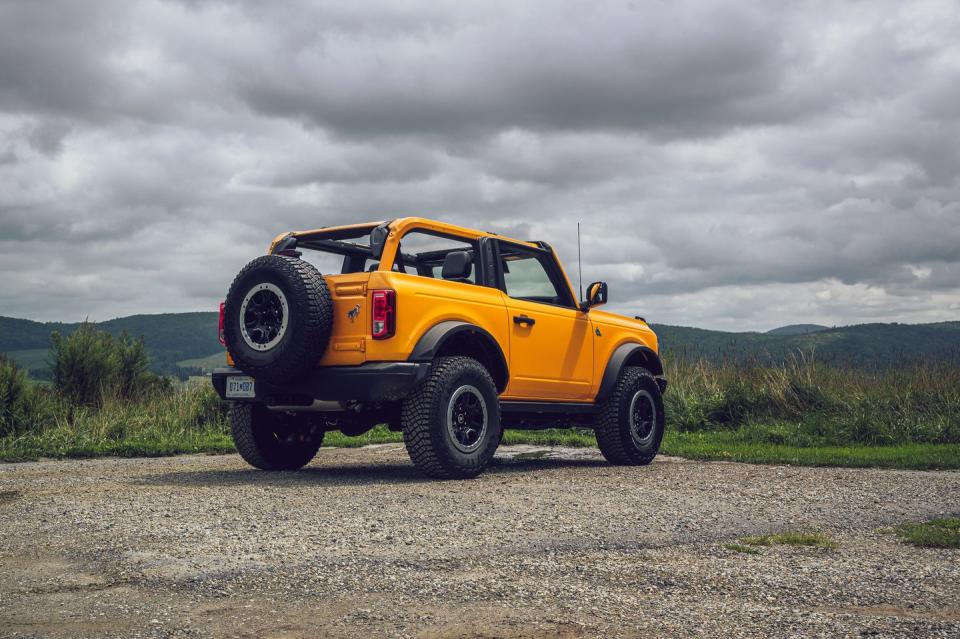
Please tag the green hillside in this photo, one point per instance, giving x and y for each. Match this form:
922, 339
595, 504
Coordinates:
32, 359
797, 329
205, 364
861, 346
170, 337
187, 343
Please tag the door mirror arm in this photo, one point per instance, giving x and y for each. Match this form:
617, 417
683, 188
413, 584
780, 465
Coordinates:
597, 294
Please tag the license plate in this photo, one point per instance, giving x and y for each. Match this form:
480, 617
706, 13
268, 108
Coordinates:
240, 386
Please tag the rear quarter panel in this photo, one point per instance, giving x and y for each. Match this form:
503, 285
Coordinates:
423, 302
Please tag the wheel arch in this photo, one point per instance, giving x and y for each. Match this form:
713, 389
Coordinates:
454, 337
631, 354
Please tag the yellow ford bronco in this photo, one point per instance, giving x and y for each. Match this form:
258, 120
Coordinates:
446, 334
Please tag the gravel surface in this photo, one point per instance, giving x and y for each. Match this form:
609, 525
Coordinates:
550, 542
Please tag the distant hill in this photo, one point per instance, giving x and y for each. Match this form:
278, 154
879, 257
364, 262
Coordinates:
862, 345
797, 329
187, 342
170, 337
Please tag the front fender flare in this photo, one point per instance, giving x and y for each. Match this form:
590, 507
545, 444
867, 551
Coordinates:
627, 354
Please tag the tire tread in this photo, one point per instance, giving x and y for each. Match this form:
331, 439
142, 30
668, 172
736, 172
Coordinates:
613, 441
310, 298
421, 433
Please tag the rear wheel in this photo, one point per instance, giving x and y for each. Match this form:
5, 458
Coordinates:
630, 425
451, 422
273, 440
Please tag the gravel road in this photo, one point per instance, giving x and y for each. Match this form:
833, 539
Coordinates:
550, 542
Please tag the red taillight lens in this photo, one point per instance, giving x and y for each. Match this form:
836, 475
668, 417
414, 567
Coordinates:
383, 319
223, 340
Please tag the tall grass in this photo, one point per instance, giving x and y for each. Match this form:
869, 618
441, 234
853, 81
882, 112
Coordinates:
799, 412
187, 419
804, 403
104, 400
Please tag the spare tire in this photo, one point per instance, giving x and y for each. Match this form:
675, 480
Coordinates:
277, 318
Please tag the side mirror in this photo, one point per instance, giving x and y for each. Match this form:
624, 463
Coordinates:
596, 294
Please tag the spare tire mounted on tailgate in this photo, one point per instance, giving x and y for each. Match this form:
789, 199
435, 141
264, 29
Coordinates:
277, 318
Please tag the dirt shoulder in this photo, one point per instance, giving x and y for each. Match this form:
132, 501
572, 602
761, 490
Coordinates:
548, 543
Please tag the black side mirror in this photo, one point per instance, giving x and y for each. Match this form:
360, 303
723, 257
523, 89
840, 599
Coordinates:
596, 294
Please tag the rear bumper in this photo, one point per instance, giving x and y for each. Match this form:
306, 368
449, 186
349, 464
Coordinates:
370, 382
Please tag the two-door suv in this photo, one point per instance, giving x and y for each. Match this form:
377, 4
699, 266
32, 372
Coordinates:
447, 334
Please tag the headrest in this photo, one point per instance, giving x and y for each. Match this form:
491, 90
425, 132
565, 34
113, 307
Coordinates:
457, 266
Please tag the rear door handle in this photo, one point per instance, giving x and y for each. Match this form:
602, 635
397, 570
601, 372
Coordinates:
523, 319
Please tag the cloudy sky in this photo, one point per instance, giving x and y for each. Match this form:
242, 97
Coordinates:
735, 165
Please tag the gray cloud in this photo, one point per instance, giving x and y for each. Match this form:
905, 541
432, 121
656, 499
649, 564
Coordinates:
733, 167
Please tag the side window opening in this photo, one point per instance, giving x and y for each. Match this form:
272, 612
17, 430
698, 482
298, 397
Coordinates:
531, 275
438, 256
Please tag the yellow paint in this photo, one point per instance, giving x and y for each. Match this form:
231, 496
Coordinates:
560, 357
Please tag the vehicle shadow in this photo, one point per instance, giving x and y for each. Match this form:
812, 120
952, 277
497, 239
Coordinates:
352, 474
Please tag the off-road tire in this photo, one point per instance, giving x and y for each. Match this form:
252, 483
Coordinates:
273, 440
424, 417
309, 318
613, 425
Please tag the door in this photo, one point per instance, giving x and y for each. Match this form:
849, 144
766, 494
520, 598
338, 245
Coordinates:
551, 340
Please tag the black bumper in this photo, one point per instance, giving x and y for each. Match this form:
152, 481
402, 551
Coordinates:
370, 382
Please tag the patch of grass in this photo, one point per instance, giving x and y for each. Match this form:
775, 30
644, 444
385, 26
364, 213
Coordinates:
811, 539
550, 437
740, 447
805, 403
747, 550
937, 533
575, 437
190, 420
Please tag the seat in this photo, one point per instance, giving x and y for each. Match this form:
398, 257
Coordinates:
457, 267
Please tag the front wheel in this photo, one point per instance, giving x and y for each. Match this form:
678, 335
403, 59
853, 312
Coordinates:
451, 422
273, 440
630, 425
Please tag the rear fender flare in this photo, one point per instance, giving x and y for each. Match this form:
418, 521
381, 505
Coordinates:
628, 355
445, 334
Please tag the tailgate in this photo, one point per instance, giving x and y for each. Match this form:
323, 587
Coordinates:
351, 320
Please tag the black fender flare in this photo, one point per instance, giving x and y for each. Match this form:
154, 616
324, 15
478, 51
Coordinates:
432, 342
626, 355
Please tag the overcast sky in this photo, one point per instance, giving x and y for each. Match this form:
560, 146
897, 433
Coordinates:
736, 165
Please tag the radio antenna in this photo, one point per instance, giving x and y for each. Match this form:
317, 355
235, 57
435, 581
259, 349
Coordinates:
579, 264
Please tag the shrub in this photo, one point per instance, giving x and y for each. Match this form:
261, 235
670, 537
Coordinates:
81, 364
90, 367
14, 392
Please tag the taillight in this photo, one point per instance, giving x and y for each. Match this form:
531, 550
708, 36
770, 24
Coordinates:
383, 319
220, 336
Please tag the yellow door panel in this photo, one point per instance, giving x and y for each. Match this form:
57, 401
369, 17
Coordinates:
552, 357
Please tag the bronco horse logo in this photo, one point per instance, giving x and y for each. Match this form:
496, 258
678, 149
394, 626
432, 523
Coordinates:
353, 312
